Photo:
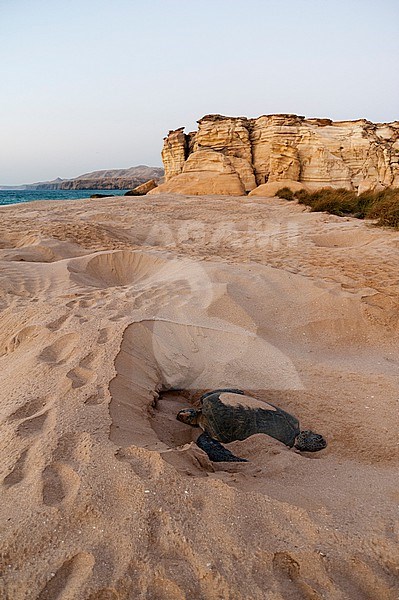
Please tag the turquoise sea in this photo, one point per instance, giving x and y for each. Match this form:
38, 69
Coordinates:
18, 196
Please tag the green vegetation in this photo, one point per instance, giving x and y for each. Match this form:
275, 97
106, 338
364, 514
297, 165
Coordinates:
286, 193
383, 205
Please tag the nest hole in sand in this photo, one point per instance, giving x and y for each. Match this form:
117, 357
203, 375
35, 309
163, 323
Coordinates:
163, 421
117, 268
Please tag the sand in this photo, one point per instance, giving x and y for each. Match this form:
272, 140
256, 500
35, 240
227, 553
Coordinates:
117, 313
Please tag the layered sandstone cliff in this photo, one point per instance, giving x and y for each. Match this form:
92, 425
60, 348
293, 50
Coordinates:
235, 155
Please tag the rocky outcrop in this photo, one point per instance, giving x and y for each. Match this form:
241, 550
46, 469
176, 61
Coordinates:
112, 179
175, 152
203, 172
272, 187
143, 189
234, 155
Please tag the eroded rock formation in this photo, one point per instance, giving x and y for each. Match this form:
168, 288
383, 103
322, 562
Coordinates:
143, 189
234, 155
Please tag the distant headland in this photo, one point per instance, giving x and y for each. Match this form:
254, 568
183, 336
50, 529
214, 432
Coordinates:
112, 179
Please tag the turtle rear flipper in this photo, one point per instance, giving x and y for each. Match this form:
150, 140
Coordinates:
215, 451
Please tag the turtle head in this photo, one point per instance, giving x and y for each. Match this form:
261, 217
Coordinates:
189, 416
307, 441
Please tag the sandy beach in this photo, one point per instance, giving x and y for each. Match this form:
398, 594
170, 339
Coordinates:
115, 314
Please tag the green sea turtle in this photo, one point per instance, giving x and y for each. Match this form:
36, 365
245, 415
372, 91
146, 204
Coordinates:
228, 414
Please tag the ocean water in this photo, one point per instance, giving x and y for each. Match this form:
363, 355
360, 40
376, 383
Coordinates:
18, 196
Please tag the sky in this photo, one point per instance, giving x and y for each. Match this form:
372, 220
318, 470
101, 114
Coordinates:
97, 84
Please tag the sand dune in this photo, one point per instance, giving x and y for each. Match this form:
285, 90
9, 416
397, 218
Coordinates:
117, 313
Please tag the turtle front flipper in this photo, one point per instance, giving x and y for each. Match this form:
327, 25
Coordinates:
215, 451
